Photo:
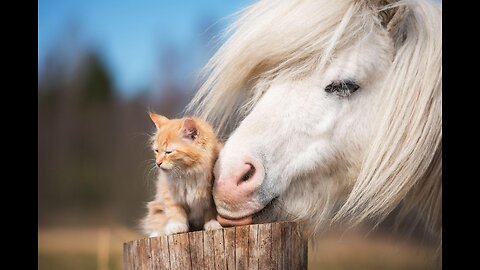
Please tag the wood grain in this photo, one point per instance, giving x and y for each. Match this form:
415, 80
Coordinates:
229, 238
241, 247
196, 250
259, 246
208, 250
265, 247
253, 247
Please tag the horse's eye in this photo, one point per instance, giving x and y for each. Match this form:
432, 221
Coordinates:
343, 88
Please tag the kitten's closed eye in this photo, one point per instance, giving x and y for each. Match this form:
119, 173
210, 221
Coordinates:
166, 152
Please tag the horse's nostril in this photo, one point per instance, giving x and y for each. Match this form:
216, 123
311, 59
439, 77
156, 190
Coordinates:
248, 174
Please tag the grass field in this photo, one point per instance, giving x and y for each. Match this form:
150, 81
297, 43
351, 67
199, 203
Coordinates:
101, 249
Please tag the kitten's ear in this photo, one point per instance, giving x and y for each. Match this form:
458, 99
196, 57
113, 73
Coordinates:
189, 129
157, 119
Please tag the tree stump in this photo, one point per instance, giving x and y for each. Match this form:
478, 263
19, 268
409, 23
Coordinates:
259, 246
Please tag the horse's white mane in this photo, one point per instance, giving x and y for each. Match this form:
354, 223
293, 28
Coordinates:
268, 42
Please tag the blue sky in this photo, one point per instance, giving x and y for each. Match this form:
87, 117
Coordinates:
134, 35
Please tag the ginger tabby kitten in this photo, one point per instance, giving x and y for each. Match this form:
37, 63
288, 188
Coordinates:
185, 151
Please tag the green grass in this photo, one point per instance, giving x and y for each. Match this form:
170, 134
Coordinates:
372, 263
74, 261
78, 248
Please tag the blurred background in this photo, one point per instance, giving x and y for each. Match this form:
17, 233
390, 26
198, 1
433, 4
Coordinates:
101, 66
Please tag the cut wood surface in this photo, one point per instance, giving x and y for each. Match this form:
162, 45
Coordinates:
259, 246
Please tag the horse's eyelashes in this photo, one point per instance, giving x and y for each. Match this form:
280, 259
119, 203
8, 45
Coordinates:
343, 88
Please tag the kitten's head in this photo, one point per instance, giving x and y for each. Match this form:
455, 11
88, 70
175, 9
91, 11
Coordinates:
180, 144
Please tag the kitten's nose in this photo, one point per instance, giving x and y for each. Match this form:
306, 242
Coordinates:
159, 163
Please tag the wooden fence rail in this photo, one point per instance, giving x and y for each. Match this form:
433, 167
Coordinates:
260, 246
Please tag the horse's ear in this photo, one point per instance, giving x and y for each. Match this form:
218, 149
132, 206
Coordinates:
189, 129
157, 119
393, 18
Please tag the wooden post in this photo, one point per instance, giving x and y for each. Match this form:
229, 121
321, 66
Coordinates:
259, 246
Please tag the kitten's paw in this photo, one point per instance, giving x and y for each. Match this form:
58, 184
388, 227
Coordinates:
174, 227
212, 225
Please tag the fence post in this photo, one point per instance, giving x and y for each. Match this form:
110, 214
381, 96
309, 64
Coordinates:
259, 246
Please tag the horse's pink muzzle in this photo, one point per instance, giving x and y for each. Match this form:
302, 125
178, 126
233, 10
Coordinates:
234, 193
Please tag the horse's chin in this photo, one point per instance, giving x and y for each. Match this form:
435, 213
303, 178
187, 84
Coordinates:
264, 214
268, 213
225, 221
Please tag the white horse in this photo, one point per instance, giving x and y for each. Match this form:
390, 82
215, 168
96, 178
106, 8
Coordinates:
332, 110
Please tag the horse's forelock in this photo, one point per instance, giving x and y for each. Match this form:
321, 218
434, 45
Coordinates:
272, 40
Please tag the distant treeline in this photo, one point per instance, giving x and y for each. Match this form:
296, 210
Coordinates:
94, 159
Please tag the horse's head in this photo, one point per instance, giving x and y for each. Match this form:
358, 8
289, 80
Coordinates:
323, 108
312, 131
